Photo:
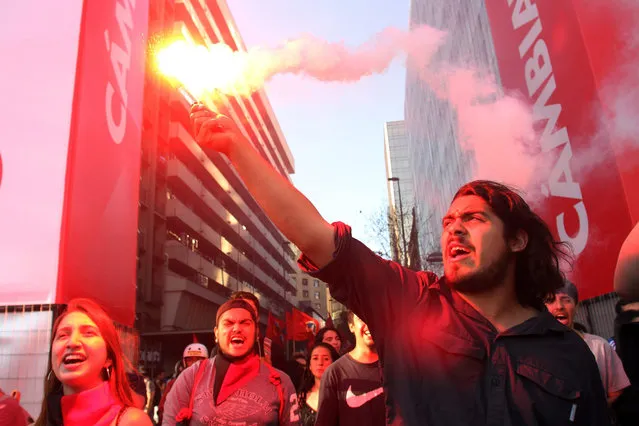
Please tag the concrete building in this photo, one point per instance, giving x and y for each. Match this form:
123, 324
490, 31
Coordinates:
335, 308
201, 234
311, 293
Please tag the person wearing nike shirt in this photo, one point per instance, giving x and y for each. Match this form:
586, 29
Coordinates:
351, 390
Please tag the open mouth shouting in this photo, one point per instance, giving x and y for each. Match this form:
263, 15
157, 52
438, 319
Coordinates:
561, 317
458, 251
237, 342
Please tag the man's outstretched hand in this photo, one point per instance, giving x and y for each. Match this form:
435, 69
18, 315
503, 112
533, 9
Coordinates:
213, 130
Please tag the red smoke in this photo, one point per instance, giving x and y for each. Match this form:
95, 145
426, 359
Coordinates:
327, 61
492, 125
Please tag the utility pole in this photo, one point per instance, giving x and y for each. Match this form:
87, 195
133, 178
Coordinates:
401, 219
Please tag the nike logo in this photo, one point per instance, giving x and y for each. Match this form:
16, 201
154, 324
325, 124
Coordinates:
356, 401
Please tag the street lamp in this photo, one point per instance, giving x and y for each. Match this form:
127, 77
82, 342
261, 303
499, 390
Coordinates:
401, 217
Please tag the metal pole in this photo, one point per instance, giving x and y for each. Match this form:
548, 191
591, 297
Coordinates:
239, 236
401, 214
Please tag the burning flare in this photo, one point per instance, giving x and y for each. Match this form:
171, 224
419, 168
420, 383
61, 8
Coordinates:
218, 68
203, 71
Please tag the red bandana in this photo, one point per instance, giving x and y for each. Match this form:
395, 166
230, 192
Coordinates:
237, 375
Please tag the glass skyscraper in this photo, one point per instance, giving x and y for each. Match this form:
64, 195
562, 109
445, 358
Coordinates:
438, 163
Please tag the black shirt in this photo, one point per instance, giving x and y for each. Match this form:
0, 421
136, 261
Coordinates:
626, 407
307, 414
136, 381
445, 364
351, 393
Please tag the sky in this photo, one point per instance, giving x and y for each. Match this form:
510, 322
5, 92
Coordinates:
334, 130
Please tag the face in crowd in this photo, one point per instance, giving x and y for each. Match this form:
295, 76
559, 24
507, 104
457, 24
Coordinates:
563, 308
79, 353
236, 333
320, 359
476, 254
332, 338
361, 332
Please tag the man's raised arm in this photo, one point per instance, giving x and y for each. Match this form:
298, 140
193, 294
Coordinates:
288, 208
627, 271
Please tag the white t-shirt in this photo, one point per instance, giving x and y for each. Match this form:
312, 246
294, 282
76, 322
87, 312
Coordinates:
613, 376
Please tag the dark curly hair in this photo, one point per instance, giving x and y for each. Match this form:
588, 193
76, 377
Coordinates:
537, 269
308, 380
319, 337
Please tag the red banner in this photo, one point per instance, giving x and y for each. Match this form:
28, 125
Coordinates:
614, 59
541, 53
39, 41
99, 238
300, 326
276, 329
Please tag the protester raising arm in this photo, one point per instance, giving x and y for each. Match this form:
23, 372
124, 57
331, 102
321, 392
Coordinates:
359, 278
627, 271
289, 209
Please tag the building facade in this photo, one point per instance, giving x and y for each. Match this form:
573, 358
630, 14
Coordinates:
201, 234
311, 293
335, 308
399, 181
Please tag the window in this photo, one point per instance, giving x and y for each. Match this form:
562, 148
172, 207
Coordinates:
315, 283
304, 281
305, 293
318, 306
202, 280
317, 295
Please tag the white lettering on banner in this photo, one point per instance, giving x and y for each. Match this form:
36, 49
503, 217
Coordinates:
538, 73
120, 62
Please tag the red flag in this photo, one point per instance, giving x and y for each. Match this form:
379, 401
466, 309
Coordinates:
300, 326
275, 329
329, 322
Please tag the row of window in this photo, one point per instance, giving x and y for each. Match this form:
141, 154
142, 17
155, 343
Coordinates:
316, 295
305, 282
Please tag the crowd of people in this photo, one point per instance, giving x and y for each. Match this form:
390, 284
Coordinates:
493, 341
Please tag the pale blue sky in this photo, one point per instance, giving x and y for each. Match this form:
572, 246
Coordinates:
335, 130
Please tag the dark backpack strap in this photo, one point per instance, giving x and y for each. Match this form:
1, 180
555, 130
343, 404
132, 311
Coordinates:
276, 379
120, 413
187, 412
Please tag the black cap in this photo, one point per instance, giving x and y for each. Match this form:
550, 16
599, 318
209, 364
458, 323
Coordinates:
571, 290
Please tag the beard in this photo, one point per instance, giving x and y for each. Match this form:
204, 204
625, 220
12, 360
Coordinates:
484, 279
